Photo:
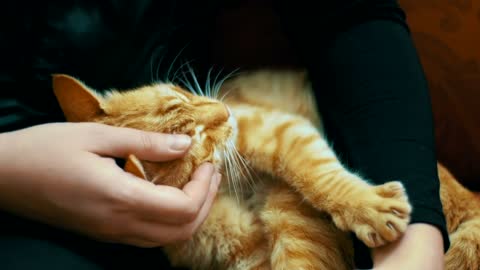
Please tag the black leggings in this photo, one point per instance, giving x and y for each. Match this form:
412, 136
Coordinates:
29, 245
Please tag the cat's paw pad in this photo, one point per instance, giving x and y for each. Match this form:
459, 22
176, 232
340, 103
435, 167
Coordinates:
380, 216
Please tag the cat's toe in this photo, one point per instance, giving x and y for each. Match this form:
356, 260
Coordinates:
397, 208
369, 236
392, 199
393, 217
380, 215
380, 232
392, 227
388, 212
393, 189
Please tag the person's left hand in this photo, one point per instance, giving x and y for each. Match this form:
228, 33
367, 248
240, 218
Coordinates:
64, 174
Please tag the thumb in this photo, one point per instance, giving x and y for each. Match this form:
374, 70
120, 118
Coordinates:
151, 146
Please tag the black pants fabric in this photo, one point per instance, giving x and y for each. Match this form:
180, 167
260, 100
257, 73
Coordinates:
26, 245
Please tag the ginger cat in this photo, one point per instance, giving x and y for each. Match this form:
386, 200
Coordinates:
293, 203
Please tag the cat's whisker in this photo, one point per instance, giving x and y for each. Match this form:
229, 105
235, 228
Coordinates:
157, 70
237, 178
244, 168
188, 85
218, 85
173, 63
215, 87
235, 170
208, 87
225, 95
230, 175
152, 59
195, 88
225, 166
185, 80
234, 166
176, 74
245, 171
195, 81
242, 159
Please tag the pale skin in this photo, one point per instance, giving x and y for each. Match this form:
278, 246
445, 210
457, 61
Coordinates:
421, 247
63, 174
67, 173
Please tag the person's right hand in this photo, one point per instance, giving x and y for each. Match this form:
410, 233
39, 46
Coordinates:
63, 174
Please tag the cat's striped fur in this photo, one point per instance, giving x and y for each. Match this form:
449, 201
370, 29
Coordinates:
288, 203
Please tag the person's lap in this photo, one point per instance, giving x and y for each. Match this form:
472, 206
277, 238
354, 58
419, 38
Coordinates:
29, 245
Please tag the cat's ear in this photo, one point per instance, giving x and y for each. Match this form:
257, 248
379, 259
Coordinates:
134, 167
77, 101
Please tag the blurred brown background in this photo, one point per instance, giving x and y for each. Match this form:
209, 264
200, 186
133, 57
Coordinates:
447, 36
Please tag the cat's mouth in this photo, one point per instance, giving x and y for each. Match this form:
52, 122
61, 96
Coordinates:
235, 169
225, 153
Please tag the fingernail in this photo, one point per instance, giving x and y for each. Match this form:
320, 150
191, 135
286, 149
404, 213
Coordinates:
210, 169
180, 142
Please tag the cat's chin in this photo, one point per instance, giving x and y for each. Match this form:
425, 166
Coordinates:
232, 121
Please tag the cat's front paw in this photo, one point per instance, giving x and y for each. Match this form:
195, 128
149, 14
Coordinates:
377, 215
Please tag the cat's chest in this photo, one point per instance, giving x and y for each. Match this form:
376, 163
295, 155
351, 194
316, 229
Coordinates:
252, 192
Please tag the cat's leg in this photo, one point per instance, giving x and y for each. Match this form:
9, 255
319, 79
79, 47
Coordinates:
290, 147
300, 237
462, 212
231, 238
464, 251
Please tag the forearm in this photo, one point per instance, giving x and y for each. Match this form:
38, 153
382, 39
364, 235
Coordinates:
422, 244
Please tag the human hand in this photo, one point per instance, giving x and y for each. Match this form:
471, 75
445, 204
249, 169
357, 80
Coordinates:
420, 248
63, 174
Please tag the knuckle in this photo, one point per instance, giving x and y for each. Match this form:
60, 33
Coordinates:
95, 131
191, 212
121, 197
147, 142
185, 234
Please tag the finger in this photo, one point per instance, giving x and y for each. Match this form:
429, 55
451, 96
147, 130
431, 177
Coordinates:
151, 146
165, 203
203, 214
199, 187
137, 242
155, 234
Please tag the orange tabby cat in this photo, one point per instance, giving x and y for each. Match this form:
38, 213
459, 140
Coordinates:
461, 206
293, 202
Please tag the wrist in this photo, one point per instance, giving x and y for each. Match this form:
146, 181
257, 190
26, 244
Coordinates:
421, 247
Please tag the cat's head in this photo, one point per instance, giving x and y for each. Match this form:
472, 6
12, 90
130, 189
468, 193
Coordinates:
163, 108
